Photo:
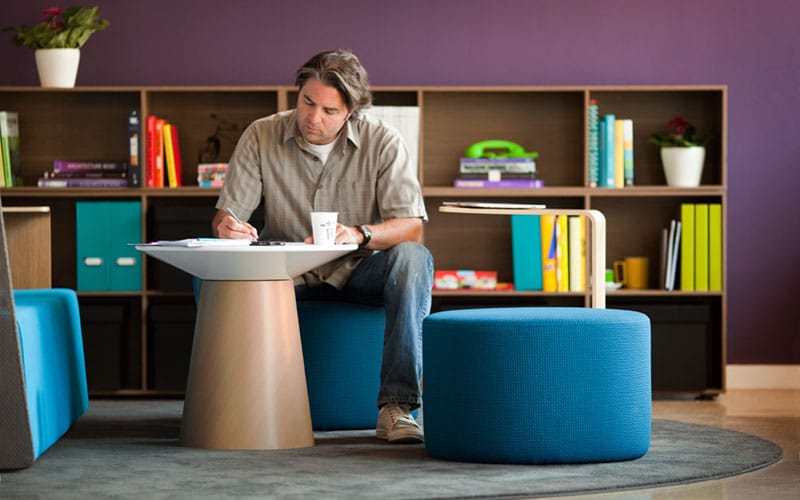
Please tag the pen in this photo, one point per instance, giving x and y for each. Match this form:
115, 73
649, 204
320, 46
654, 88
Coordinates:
230, 211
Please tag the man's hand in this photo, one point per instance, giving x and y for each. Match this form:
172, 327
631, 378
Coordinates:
225, 226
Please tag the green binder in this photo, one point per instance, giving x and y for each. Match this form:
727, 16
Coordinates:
105, 260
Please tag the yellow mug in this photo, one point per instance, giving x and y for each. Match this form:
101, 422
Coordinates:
632, 272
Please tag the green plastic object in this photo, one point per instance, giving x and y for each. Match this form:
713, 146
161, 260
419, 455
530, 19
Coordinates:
498, 148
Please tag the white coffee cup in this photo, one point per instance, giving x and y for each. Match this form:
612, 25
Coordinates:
323, 225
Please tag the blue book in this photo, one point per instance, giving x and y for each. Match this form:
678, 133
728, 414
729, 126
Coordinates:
526, 246
607, 140
594, 151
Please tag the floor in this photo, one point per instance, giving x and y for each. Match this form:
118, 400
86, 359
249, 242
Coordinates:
772, 415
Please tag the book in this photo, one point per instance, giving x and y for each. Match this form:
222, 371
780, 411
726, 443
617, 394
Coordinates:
701, 247
577, 253
9, 137
549, 253
90, 167
526, 251
715, 247
607, 142
55, 182
496, 175
176, 148
673, 252
169, 156
134, 149
464, 279
150, 150
562, 253
2, 165
627, 154
211, 175
687, 247
593, 138
619, 151
662, 265
502, 165
501, 184
158, 151
98, 174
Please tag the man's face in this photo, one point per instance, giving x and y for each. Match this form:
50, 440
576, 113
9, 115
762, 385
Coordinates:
321, 112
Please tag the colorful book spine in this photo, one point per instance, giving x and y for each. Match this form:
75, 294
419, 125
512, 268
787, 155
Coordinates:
608, 151
526, 246
158, 146
549, 253
577, 253
9, 137
169, 156
2, 165
150, 150
562, 253
501, 184
687, 247
619, 151
627, 145
134, 149
701, 247
55, 182
715, 247
84, 167
503, 165
176, 148
593, 140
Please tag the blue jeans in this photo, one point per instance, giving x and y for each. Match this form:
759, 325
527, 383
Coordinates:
400, 279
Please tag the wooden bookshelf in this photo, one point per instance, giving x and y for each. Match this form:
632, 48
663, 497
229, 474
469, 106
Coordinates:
140, 341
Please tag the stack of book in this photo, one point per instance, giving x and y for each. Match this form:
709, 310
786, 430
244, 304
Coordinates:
497, 173
692, 249
10, 162
610, 149
549, 252
163, 155
67, 173
211, 175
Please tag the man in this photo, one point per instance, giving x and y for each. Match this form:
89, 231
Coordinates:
326, 156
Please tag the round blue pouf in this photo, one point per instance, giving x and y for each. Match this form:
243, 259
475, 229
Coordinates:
342, 352
537, 385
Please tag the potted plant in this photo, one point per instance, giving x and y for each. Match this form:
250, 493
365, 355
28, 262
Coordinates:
682, 153
57, 41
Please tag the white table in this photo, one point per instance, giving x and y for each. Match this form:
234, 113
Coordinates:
247, 385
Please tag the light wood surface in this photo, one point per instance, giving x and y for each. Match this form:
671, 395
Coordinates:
28, 239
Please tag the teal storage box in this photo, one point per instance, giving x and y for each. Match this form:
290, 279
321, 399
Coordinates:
105, 259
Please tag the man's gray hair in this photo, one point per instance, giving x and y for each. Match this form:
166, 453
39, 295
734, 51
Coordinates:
341, 70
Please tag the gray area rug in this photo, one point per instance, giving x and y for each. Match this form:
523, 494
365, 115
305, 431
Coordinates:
128, 449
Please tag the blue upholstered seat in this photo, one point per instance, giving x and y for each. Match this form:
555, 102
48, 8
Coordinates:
342, 352
42, 371
52, 355
537, 385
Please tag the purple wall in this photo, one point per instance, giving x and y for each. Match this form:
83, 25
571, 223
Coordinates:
750, 46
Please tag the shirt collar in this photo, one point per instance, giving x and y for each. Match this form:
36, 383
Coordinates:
292, 131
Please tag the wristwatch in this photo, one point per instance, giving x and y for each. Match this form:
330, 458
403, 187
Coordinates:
366, 233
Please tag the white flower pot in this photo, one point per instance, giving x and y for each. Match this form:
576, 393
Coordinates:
57, 67
683, 167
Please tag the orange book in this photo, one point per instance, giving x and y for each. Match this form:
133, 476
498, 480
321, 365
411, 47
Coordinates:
176, 149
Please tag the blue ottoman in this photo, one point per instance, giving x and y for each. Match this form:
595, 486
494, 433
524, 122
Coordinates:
537, 385
342, 353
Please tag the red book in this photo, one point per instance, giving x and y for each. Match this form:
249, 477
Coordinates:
150, 154
158, 151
